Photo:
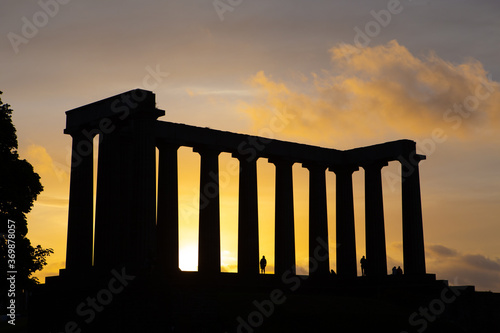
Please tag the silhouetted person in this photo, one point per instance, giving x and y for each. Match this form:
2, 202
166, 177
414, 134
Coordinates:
394, 270
333, 275
399, 271
263, 264
363, 265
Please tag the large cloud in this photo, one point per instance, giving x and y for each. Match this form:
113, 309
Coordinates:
383, 91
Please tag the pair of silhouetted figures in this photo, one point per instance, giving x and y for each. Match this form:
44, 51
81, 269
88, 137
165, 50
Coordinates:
397, 271
263, 264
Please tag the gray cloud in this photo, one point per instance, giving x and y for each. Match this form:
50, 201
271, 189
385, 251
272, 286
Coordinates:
481, 262
463, 268
440, 251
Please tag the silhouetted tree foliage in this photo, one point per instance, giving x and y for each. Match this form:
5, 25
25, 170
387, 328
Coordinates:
19, 188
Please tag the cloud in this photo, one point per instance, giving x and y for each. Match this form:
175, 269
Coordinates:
440, 251
54, 176
456, 267
45, 166
201, 91
463, 268
52, 201
481, 262
381, 91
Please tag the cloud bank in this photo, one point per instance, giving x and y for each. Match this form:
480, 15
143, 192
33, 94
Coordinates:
463, 268
383, 91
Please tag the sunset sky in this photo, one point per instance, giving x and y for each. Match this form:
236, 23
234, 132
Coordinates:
344, 73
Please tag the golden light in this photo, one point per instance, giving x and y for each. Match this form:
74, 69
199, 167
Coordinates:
188, 257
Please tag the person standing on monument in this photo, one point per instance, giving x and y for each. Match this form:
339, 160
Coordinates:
263, 264
363, 266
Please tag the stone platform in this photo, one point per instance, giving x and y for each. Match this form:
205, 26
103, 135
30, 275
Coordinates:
122, 301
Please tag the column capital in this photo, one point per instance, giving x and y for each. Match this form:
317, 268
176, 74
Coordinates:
376, 164
344, 168
410, 164
82, 133
314, 166
75, 131
281, 161
205, 149
411, 157
245, 158
160, 144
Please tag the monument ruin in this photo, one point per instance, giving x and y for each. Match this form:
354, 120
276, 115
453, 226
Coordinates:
130, 232
122, 272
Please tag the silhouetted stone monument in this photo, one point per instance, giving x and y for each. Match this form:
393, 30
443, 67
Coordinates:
127, 279
130, 230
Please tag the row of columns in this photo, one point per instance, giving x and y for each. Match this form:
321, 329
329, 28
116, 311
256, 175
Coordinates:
80, 225
248, 240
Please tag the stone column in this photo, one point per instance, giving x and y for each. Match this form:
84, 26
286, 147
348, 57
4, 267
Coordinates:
125, 231
413, 234
346, 237
374, 220
142, 192
248, 218
209, 238
112, 215
318, 221
284, 245
167, 220
81, 204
